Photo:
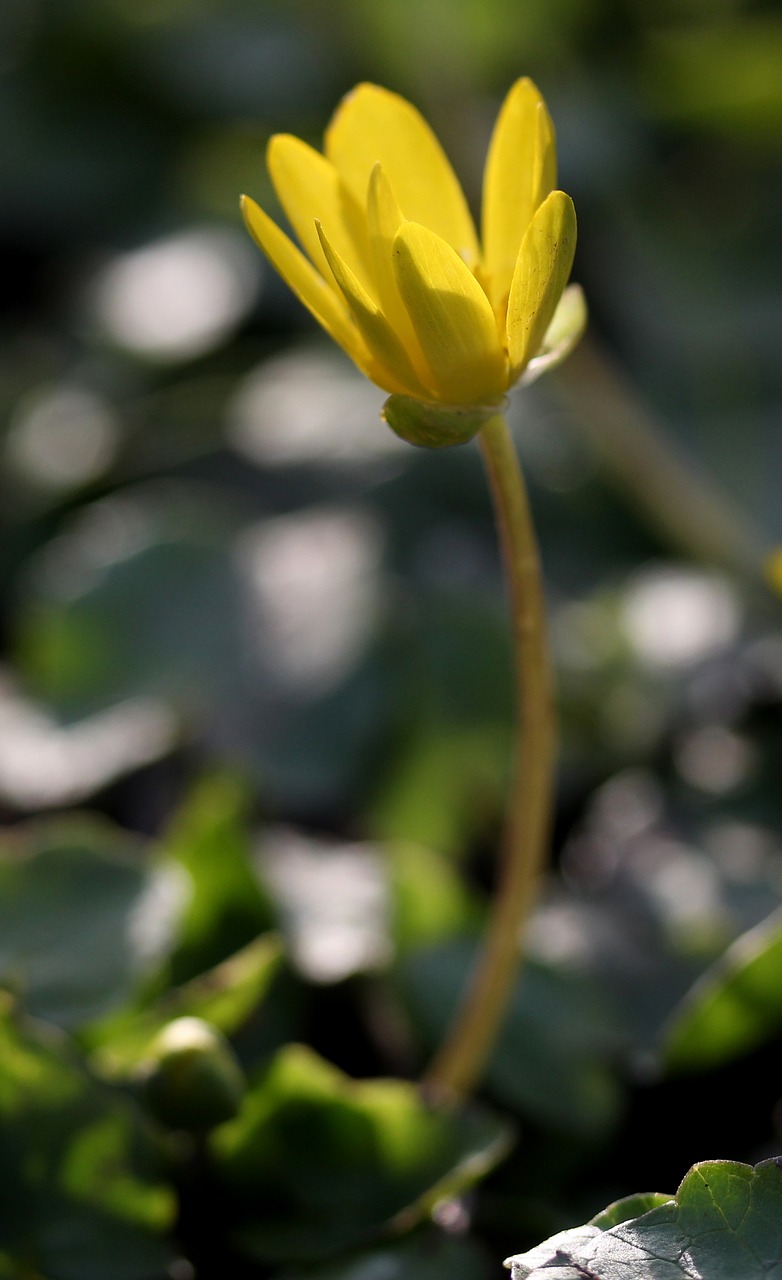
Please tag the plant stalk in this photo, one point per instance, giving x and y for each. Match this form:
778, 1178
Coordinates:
461, 1059
685, 506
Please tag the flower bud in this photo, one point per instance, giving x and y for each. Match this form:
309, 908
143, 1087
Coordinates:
192, 1079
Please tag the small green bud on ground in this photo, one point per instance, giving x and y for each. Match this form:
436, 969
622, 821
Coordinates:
191, 1079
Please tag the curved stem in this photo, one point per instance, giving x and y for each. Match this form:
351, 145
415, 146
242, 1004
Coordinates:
461, 1059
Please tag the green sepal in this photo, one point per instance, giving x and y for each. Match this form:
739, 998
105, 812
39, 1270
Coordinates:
562, 335
435, 426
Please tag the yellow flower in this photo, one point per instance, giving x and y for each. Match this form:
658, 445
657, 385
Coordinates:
774, 570
392, 266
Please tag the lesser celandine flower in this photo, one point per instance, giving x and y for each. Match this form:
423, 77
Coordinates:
774, 569
393, 267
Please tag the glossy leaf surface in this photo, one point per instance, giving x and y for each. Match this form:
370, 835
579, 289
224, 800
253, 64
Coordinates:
724, 1222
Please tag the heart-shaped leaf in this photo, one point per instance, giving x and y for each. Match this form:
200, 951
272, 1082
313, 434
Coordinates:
724, 1223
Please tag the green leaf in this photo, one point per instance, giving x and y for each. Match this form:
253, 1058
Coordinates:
209, 840
429, 898
304, 761
316, 1162
443, 786
81, 1200
553, 1057
734, 1006
160, 618
96, 1171
725, 1223
225, 996
441, 790
71, 897
628, 1207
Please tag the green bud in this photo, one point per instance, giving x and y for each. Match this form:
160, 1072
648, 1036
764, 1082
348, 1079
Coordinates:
435, 426
191, 1079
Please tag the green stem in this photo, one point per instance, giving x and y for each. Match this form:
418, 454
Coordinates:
460, 1061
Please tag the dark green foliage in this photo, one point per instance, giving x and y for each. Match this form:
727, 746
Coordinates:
735, 1005
317, 1163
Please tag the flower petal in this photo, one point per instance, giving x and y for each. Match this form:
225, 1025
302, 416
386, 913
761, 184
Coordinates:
539, 280
309, 187
394, 371
384, 218
521, 170
372, 125
452, 318
323, 300
773, 569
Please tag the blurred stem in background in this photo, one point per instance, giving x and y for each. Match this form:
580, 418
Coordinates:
680, 501
461, 1059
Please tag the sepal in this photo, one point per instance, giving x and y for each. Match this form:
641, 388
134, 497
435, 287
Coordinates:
435, 426
562, 335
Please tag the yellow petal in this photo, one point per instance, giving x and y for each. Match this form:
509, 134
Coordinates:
521, 170
372, 125
384, 218
452, 318
325, 302
308, 187
774, 569
393, 370
542, 271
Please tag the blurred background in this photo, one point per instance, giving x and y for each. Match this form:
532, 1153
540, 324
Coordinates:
217, 560
211, 543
